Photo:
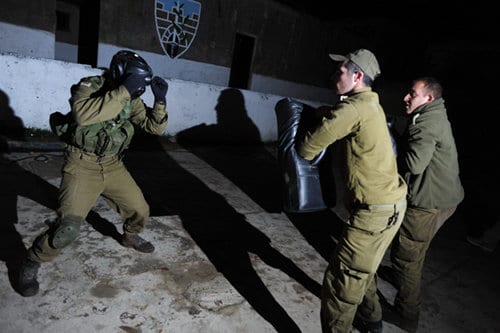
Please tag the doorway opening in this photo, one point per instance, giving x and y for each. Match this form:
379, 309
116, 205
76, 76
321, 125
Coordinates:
77, 31
241, 65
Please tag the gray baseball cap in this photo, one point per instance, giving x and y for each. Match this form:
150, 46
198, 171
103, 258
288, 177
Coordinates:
365, 60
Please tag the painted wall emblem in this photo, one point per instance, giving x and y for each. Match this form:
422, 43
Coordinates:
176, 24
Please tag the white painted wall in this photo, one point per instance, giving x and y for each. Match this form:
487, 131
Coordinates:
36, 87
66, 52
188, 70
287, 88
166, 67
26, 41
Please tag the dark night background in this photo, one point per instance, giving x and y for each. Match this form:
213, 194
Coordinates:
456, 42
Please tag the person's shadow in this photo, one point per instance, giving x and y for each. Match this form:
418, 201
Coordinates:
253, 166
234, 147
222, 233
233, 127
16, 181
11, 126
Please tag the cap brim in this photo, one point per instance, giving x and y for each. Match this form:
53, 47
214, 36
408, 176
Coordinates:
337, 57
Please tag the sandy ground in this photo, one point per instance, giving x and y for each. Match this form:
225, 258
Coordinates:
227, 258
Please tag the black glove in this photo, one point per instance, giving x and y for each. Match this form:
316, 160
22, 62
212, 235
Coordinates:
159, 88
135, 84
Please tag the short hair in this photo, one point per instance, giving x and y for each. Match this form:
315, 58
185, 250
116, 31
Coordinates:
432, 85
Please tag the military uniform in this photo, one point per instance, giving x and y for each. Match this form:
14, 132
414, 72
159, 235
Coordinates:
102, 129
376, 201
429, 163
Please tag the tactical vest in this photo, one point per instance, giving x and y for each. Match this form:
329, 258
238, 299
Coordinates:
110, 137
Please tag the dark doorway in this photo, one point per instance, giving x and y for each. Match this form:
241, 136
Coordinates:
89, 36
77, 31
242, 61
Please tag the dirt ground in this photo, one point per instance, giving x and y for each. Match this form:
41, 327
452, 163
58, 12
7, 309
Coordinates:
227, 258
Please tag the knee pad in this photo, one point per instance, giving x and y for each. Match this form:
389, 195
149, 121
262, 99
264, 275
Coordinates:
65, 233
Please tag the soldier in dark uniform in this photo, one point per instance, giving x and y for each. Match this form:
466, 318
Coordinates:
104, 112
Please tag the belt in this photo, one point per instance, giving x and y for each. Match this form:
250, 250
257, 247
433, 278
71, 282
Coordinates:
95, 158
89, 156
381, 206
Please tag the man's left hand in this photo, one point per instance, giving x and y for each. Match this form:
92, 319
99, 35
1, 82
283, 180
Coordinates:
159, 88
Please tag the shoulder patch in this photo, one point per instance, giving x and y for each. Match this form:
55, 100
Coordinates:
94, 82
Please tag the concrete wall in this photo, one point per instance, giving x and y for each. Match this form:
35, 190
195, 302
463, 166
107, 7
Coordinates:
188, 70
289, 45
26, 41
283, 63
36, 87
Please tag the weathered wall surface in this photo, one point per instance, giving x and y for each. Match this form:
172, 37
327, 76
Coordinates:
290, 51
36, 14
34, 88
289, 45
26, 41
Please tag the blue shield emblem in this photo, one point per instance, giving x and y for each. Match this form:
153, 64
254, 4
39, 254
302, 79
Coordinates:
176, 24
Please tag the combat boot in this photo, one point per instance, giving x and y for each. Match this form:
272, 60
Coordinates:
27, 284
393, 316
364, 326
137, 243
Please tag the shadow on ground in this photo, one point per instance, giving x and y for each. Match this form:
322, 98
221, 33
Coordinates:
16, 181
218, 229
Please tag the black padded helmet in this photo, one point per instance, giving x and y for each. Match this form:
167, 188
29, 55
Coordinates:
126, 62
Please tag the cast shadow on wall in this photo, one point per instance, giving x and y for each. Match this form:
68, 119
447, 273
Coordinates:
11, 126
222, 233
234, 147
253, 167
233, 127
17, 181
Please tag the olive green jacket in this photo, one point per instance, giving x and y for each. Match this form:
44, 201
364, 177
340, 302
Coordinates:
90, 107
428, 159
104, 119
359, 120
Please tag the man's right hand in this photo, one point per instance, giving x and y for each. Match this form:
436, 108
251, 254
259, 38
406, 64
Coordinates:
135, 84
